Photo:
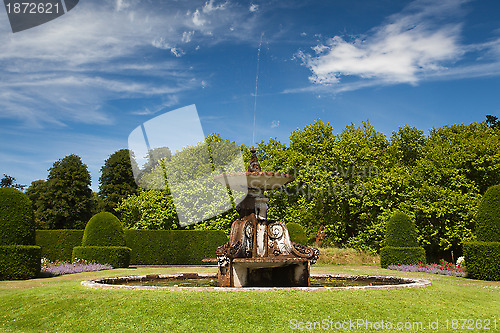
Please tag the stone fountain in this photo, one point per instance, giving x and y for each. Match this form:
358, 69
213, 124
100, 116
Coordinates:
259, 252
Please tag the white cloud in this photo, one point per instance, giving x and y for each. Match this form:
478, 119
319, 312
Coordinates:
253, 8
187, 36
275, 123
177, 52
68, 69
408, 45
197, 19
210, 7
121, 4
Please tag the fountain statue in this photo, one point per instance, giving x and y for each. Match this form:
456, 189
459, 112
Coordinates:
259, 252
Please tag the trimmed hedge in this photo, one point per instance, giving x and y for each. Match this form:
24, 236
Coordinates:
482, 260
297, 233
103, 229
17, 224
488, 216
19, 262
116, 256
401, 231
149, 247
173, 247
401, 255
58, 244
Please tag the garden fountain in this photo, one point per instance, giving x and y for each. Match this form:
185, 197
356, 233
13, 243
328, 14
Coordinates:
259, 252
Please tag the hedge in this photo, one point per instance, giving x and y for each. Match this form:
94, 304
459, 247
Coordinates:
17, 224
149, 247
58, 244
297, 233
173, 247
482, 260
116, 256
19, 262
401, 255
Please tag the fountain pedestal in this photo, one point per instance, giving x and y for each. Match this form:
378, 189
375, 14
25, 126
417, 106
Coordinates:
259, 252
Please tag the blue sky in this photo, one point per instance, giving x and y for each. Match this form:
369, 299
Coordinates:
81, 83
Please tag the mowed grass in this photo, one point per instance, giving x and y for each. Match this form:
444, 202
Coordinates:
61, 304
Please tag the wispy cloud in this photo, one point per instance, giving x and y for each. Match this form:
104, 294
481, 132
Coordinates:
422, 42
253, 7
68, 69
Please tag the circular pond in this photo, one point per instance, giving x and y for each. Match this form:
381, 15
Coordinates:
193, 281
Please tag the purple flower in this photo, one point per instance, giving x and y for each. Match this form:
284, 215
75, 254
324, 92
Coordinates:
78, 266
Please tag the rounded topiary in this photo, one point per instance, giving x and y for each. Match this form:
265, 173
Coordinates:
103, 229
488, 216
17, 224
297, 233
401, 231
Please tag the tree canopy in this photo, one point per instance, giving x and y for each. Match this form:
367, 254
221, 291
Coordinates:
64, 200
117, 180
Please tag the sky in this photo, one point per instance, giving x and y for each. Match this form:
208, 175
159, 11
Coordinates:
81, 83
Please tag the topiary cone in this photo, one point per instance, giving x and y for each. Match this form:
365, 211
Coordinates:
401, 231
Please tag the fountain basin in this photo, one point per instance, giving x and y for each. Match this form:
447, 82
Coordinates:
318, 283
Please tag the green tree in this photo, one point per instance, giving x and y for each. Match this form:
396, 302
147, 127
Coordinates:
64, 201
9, 181
492, 121
117, 180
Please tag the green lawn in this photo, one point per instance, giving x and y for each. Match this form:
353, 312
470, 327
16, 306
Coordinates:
61, 304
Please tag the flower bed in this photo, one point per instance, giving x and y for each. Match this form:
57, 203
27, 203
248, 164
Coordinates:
443, 268
49, 269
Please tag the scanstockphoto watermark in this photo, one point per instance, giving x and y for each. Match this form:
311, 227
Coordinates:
361, 324
354, 324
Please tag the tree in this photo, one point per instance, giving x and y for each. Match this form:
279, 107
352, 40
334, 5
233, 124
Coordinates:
117, 180
8, 181
64, 201
492, 121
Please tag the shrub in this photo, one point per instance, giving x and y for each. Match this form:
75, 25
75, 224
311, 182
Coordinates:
401, 255
104, 242
401, 231
401, 245
19, 262
19, 257
488, 216
57, 245
17, 225
297, 233
482, 258
103, 229
173, 247
116, 256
